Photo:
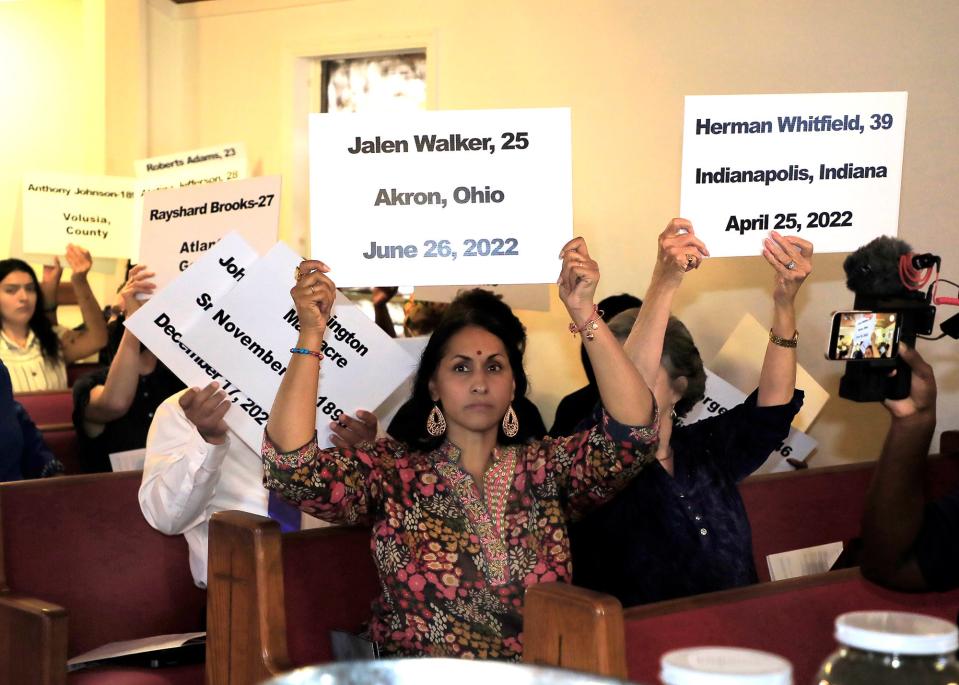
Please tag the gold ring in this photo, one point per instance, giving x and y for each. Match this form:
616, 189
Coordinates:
296, 274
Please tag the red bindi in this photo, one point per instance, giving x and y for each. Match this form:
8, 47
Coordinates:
479, 353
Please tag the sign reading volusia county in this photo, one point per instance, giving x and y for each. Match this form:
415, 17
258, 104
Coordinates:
825, 167
248, 333
441, 198
95, 212
179, 225
166, 326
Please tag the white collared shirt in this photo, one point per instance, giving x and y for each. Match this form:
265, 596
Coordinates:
29, 369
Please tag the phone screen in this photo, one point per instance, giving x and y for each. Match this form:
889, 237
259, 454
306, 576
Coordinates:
861, 336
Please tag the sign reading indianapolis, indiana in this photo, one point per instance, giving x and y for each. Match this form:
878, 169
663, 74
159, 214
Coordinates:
825, 167
95, 212
249, 333
441, 198
180, 224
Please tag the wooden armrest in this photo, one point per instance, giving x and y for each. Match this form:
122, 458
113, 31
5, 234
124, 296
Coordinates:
574, 628
33, 641
246, 616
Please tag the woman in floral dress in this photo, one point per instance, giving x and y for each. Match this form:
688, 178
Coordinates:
465, 513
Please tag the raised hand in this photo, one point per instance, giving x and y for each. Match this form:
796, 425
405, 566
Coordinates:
350, 431
679, 250
922, 390
578, 279
791, 257
138, 281
313, 296
79, 260
205, 409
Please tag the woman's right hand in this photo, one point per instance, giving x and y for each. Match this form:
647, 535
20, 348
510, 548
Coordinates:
679, 250
313, 296
138, 281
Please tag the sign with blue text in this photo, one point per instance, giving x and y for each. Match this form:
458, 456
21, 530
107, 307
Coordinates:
441, 198
826, 167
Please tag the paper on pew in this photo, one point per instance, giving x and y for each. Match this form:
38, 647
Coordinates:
721, 396
740, 362
803, 562
128, 647
165, 326
248, 333
128, 460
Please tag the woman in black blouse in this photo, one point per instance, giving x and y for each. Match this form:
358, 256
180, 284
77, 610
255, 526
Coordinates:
680, 528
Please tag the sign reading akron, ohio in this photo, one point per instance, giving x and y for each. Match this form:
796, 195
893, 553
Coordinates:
441, 198
825, 167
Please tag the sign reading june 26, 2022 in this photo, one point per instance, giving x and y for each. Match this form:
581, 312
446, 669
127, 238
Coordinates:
825, 167
441, 198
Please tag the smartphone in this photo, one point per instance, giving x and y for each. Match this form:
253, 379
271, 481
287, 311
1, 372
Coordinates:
863, 335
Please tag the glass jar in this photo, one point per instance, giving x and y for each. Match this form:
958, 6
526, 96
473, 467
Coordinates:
723, 666
892, 648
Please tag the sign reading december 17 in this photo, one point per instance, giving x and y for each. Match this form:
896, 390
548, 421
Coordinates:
826, 167
441, 198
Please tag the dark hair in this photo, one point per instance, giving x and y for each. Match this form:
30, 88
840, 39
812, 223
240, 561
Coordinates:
39, 323
476, 307
610, 307
682, 358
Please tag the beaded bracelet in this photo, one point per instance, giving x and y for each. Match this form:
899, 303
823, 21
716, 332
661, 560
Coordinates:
589, 326
303, 350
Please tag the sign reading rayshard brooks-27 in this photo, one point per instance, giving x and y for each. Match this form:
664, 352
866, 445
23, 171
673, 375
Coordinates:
825, 167
441, 198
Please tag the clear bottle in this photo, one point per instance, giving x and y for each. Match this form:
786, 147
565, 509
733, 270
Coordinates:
723, 666
892, 648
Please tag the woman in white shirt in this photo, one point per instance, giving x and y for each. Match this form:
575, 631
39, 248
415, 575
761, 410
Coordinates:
35, 351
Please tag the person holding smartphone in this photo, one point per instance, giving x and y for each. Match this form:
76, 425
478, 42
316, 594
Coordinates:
680, 528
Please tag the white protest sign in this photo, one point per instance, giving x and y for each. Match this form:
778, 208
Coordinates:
825, 167
92, 211
721, 397
180, 224
233, 153
249, 333
441, 198
166, 326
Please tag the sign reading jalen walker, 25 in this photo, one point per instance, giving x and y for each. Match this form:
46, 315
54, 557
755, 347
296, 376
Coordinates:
825, 167
441, 198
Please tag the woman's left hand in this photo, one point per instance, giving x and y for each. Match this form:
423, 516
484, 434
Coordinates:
79, 260
791, 257
578, 280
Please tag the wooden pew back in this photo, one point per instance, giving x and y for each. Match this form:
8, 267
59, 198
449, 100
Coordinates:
47, 407
82, 543
273, 598
792, 618
790, 511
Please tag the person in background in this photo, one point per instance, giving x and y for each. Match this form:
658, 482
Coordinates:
579, 404
908, 544
680, 527
113, 407
35, 351
468, 513
24, 454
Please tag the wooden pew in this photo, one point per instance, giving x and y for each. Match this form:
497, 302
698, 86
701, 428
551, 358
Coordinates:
62, 440
76, 550
273, 599
811, 507
47, 407
574, 628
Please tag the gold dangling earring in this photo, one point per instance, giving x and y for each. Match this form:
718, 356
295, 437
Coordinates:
510, 423
436, 422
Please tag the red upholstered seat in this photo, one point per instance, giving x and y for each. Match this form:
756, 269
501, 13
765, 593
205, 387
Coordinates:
177, 675
47, 406
81, 542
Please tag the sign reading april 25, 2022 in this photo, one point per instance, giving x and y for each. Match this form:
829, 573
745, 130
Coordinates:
93, 211
825, 167
441, 198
